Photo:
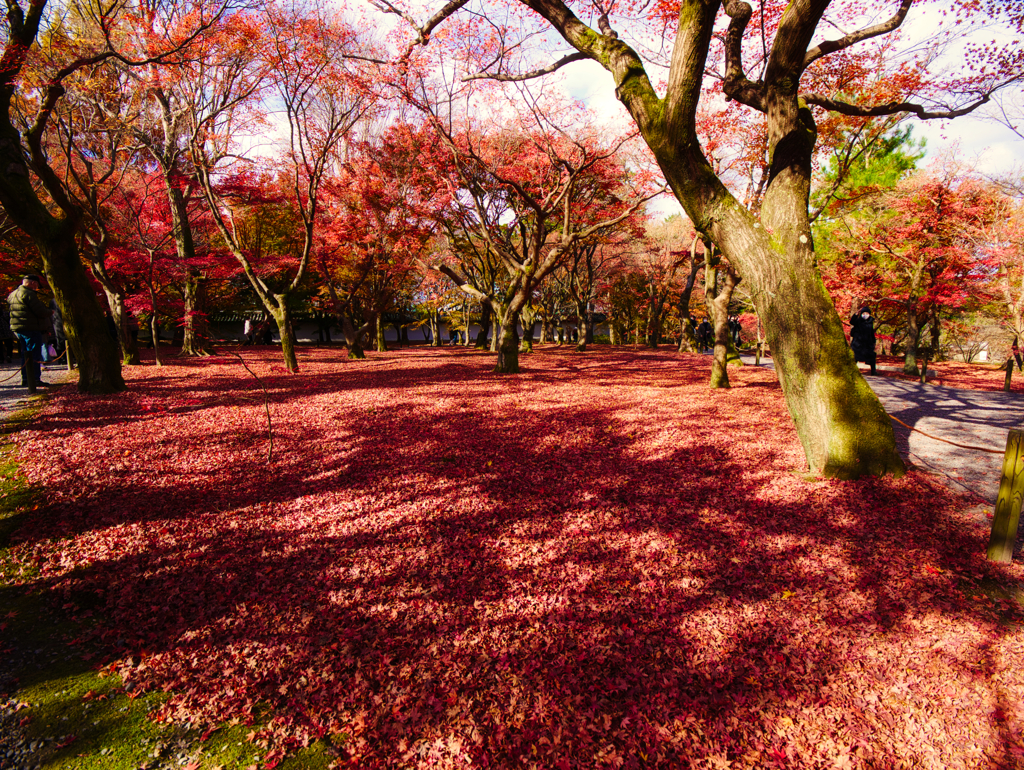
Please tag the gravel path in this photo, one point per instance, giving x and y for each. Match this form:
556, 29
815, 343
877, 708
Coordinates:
13, 396
977, 418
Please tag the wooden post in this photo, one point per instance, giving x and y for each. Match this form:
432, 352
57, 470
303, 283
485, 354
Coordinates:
1009, 372
1008, 504
924, 369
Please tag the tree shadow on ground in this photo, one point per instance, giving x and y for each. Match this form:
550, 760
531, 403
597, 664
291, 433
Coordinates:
499, 572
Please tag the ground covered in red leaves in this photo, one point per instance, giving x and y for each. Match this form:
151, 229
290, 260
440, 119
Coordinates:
597, 563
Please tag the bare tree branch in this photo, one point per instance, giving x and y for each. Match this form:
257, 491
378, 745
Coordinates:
892, 108
831, 46
529, 75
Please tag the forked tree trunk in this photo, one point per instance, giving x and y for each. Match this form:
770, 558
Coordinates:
196, 341
842, 426
353, 337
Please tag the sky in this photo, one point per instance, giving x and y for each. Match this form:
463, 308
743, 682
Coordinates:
993, 149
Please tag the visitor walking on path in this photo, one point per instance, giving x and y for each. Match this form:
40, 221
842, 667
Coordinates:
29, 319
862, 337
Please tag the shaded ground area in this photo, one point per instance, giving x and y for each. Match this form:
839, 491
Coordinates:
598, 563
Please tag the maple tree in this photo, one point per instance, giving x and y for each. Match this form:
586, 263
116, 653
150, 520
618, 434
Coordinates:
380, 209
843, 428
526, 192
306, 62
913, 248
1001, 241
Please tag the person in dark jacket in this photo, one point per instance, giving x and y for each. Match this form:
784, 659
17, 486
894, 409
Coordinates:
862, 337
6, 335
705, 336
30, 318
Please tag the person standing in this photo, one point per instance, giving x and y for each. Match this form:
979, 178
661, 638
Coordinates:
29, 319
6, 335
862, 337
705, 336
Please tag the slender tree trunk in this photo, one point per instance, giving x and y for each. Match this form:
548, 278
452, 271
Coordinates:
654, 309
435, 329
718, 298
196, 341
382, 346
913, 339
154, 328
485, 326
935, 328
129, 348
583, 327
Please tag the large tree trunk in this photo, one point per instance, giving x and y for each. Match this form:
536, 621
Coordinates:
507, 336
508, 347
99, 365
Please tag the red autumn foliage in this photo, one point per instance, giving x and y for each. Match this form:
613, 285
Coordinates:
599, 563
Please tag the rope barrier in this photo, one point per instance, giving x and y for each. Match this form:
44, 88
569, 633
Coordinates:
21, 369
947, 441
